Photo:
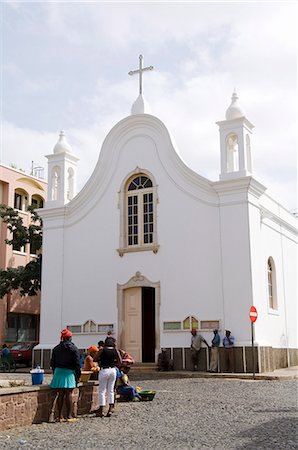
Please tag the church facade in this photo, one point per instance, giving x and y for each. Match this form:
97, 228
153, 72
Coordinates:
149, 249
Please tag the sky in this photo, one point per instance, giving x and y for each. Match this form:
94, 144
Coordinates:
64, 65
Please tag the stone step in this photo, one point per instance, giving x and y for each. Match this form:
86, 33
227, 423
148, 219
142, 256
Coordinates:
141, 370
144, 367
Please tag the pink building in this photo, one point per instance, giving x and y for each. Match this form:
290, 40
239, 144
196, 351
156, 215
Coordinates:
19, 316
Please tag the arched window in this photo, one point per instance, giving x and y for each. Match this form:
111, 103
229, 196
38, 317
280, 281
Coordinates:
248, 154
140, 211
271, 279
37, 201
89, 327
138, 200
232, 153
55, 183
20, 199
190, 323
70, 184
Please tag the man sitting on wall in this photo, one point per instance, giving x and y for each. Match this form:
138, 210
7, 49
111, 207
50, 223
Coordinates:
164, 362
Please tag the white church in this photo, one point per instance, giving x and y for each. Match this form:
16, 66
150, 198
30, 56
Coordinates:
149, 249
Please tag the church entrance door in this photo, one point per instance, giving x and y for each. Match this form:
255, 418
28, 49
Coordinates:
148, 324
132, 322
139, 323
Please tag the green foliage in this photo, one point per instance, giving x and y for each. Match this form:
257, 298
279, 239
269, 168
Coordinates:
26, 278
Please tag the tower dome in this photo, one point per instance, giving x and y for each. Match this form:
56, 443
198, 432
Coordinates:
62, 145
234, 111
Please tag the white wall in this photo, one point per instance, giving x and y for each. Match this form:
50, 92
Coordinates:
206, 264
273, 235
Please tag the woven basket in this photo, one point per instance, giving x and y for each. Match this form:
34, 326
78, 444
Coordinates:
147, 396
85, 376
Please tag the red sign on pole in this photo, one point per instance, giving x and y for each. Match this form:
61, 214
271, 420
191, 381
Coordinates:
253, 314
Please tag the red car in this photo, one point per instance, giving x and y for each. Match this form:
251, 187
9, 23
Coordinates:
22, 352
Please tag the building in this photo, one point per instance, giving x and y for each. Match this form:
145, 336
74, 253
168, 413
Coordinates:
150, 249
19, 316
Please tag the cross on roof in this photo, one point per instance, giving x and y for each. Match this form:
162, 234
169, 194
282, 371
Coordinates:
140, 71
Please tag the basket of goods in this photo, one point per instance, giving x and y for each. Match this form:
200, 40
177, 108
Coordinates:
85, 376
146, 395
127, 360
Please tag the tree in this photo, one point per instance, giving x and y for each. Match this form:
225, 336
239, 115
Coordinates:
25, 278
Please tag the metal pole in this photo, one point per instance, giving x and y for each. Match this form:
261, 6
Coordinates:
253, 350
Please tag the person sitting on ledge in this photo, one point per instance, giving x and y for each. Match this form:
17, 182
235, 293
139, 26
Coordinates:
164, 362
90, 364
124, 388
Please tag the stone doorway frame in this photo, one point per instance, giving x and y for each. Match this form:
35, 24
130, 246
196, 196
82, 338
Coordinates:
138, 280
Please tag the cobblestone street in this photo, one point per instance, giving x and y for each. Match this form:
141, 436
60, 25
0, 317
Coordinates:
185, 414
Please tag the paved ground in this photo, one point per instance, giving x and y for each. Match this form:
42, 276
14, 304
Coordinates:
194, 413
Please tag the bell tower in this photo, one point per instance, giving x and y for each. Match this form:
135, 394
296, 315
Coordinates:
235, 143
62, 173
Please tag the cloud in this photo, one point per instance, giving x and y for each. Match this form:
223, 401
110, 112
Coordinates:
66, 65
21, 146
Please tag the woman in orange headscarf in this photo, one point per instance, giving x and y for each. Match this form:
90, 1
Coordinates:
90, 364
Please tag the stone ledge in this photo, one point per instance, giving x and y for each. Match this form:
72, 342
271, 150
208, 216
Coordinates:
37, 387
25, 405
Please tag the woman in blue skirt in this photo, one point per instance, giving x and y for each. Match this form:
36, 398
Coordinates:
65, 363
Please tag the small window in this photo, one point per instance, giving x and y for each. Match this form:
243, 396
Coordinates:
104, 328
21, 327
74, 328
37, 201
70, 184
232, 153
20, 199
271, 280
172, 326
190, 323
15, 245
55, 183
89, 327
17, 201
209, 324
34, 247
186, 323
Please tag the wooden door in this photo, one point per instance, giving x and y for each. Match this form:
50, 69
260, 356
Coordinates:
133, 322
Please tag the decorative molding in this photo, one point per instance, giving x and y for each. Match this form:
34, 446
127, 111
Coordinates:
265, 214
138, 280
240, 185
138, 248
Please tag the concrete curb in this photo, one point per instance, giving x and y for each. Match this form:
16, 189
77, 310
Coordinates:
207, 375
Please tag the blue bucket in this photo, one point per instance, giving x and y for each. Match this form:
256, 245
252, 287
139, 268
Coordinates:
37, 377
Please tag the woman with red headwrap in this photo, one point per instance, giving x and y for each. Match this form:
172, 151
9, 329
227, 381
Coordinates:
65, 363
